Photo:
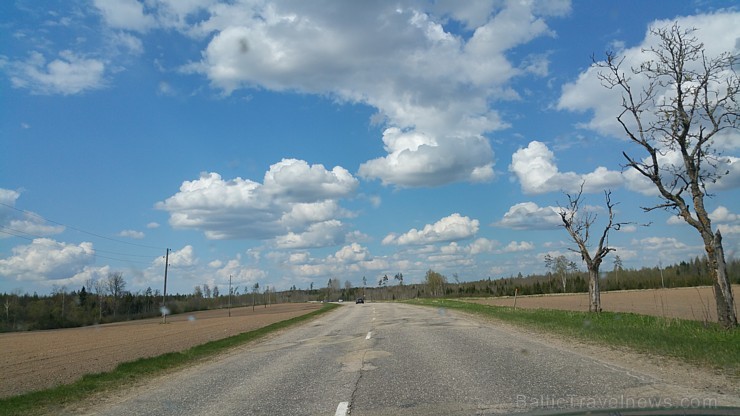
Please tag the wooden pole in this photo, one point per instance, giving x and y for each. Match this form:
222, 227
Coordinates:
164, 293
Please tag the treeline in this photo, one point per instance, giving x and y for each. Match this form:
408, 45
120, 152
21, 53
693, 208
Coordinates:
107, 299
684, 274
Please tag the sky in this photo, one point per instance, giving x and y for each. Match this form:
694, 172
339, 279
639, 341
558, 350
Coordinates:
285, 143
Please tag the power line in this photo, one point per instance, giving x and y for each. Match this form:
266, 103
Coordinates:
79, 229
19, 234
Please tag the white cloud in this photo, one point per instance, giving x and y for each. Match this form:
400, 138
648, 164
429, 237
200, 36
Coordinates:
717, 31
482, 245
537, 172
239, 273
68, 74
514, 247
660, 243
296, 202
25, 223
138, 235
720, 215
352, 253
723, 215
320, 234
529, 216
47, 259
450, 228
183, 258
426, 83
415, 159
351, 258
727, 167
152, 225
125, 14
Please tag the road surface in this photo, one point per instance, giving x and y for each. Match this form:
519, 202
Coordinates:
398, 359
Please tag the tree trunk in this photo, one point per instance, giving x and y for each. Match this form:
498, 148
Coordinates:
722, 288
594, 293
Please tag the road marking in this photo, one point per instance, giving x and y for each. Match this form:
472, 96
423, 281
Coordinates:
342, 409
369, 334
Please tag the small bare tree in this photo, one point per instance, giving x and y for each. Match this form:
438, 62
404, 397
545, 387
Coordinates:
115, 286
688, 99
578, 222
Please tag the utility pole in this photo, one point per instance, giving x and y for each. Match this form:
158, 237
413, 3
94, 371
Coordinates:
229, 296
164, 293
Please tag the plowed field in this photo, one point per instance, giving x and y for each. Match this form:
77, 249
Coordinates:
695, 303
41, 359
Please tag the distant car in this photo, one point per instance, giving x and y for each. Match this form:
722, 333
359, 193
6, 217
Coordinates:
360, 300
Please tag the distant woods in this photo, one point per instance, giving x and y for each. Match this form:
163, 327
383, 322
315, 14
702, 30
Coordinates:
107, 299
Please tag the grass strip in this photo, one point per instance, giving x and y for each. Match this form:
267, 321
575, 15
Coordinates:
691, 341
46, 401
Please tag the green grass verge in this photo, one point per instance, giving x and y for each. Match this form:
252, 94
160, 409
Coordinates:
691, 341
47, 401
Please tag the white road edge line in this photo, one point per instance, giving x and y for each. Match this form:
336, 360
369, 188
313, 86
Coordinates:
369, 334
342, 409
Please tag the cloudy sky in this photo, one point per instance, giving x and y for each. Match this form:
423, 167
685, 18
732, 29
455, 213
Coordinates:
289, 142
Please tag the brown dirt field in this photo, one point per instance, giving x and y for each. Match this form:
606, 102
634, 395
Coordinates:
695, 303
42, 359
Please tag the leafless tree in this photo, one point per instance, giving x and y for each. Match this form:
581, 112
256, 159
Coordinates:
578, 222
115, 286
560, 266
99, 286
688, 100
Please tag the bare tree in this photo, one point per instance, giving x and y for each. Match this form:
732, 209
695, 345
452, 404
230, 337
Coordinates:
115, 285
578, 222
559, 266
99, 286
677, 118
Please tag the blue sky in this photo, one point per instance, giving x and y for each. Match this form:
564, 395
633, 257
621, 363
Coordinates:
287, 143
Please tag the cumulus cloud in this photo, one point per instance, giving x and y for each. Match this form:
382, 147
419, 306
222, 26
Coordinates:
138, 235
350, 258
450, 228
239, 273
720, 215
183, 258
415, 159
529, 216
718, 32
517, 246
125, 14
68, 74
433, 89
660, 243
726, 168
297, 203
22, 223
537, 172
47, 259
321, 234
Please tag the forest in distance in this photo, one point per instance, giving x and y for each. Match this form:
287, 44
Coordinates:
108, 300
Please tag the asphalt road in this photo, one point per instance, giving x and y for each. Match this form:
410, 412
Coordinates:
395, 359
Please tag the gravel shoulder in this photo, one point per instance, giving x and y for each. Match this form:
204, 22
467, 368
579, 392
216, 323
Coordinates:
683, 376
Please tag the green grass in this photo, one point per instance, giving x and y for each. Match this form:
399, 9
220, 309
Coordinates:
47, 401
708, 346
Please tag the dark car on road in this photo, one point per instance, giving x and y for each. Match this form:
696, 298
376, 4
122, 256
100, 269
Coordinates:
360, 300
